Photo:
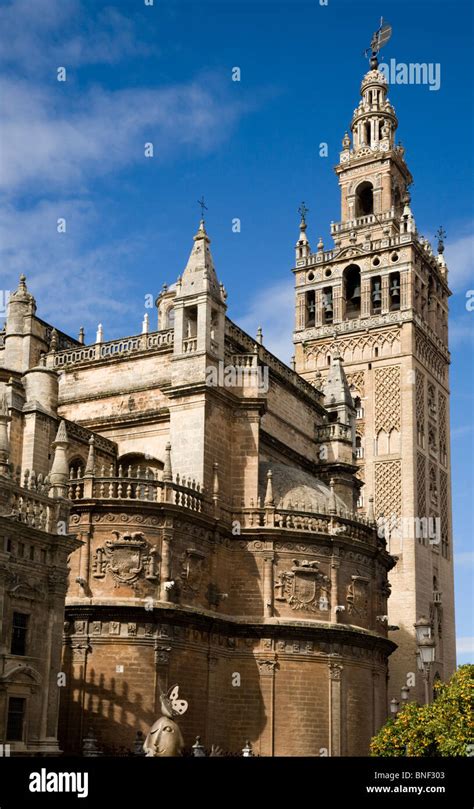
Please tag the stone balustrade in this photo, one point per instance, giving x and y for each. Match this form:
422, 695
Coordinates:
30, 502
330, 432
135, 484
301, 517
112, 348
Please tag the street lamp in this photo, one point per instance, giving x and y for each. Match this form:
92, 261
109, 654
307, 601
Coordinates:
394, 705
426, 651
404, 693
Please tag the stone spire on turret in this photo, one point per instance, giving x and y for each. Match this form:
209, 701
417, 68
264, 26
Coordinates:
337, 396
199, 274
59, 474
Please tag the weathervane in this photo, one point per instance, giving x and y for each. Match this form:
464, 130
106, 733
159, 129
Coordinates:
203, 207
303, 210
379, 39
441, 234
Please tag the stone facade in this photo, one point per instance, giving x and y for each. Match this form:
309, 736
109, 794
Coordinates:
213, 493
379, 300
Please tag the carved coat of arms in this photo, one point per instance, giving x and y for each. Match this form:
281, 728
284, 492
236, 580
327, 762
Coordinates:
358, 596
192, 569
304, 587
127, 557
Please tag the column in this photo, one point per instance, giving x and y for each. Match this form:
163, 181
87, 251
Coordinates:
268, 586
385, 294
266, 670
365, 297
335, 709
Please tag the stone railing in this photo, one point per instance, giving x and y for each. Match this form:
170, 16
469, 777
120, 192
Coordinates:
244, 360
299, 517
361, 221
30, 502
189, 345
329, 432
135, 484
113, 348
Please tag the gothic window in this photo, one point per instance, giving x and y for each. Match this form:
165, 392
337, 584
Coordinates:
376, 294
394, 291
310, 308
364, 204
352, 290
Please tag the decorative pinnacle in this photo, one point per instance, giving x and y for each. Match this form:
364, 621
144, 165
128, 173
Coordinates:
303, 210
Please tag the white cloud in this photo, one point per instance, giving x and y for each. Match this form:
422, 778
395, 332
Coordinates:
74, 284
465, 645
460, 261
46, 33
47, 140
272, 308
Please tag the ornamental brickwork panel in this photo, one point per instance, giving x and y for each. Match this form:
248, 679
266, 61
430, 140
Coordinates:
388, 488
387, 398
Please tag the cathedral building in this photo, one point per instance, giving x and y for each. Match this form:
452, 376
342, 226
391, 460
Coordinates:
219, 508
379, 300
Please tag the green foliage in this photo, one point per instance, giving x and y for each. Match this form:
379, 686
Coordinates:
443, 728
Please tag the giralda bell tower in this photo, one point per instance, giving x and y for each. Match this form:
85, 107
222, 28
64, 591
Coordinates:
379, 300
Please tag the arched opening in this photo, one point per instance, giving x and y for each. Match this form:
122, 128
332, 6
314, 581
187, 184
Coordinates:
359, 449
364, 199
352, 290
169, 319
76, 467
137, 464
394, 291
310, 308
376, 294
328, 305
358, 407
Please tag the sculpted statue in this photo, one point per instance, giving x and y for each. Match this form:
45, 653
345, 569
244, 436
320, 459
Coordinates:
164, 737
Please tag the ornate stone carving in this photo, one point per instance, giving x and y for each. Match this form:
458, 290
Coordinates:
267, 667
304, 587
127, 557
356, 381
335, 671
420, 408
358, 596
192, 570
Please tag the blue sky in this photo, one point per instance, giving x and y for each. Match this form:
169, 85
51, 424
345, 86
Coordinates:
163, 74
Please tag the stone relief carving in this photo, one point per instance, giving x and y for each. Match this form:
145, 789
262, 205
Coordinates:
358, 596
192, 570
127, 558
304, 587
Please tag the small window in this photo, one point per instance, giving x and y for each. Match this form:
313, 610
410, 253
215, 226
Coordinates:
19, 633
21, 550
8, 545
32, 553
43, 556
16, 719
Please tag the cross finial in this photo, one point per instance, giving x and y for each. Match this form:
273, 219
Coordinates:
203, 205
303, 210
